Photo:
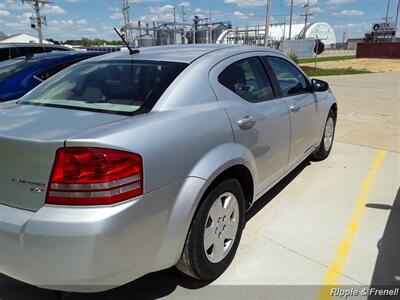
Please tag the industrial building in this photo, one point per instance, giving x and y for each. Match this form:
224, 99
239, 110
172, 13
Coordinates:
255, 35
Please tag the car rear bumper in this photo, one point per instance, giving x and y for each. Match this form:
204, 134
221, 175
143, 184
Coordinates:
89, 249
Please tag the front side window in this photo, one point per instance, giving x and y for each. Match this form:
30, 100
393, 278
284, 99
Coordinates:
123, 87
247, 79
54, 70
290, 79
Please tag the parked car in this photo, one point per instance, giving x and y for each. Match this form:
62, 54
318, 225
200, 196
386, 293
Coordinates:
128, 164
12, 50
19, 75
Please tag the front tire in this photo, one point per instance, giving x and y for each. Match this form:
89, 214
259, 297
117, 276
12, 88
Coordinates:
325, 147
215, 232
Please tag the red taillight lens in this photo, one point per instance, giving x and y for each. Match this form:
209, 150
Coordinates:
94, 176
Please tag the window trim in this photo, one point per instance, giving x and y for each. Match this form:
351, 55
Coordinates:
276, 81
271, 81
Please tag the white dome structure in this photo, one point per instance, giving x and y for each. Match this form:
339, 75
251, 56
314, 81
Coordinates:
320, 30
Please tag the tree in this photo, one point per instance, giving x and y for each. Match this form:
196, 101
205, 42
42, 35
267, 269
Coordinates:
320, 46
53, 41
368, 37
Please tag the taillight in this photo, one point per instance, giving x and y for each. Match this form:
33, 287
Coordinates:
94, 176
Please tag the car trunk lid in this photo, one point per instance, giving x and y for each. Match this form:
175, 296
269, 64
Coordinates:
29, 138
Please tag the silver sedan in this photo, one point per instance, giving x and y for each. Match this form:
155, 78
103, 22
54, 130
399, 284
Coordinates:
127, 164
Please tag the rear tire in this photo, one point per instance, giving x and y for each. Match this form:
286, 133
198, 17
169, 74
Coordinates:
325, 147
215, 232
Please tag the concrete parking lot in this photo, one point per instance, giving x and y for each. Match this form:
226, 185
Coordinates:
327, 223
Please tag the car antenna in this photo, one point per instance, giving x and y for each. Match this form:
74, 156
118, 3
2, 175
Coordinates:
131, 51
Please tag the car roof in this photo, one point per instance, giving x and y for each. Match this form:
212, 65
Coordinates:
181, 53
47, 56
36, 45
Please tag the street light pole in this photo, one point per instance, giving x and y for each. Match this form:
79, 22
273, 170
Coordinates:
267, 22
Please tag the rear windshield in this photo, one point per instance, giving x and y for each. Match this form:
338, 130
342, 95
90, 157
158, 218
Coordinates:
10, 67
121, 87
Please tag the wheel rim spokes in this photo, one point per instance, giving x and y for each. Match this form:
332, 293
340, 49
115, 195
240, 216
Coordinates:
221, 227
328, 136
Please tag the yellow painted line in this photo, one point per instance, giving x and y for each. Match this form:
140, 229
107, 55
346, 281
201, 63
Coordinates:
335, 268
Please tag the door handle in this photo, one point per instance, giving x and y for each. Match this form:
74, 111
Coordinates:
246, 123
295, 107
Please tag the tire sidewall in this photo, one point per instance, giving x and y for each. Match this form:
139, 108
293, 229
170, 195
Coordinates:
208, 269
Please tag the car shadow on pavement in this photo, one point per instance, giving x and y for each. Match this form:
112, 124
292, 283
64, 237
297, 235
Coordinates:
387, 267
151, 286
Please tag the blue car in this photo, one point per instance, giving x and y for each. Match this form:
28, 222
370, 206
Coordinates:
20, 75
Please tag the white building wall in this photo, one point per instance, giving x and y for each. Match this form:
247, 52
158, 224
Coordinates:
23, 38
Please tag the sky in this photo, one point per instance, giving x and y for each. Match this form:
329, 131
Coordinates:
74, 19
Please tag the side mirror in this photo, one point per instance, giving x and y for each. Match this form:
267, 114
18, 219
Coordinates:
319, 85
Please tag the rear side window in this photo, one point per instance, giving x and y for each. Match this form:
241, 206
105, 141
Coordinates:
4, 54
247, 79
107, 86
13, 66
290, 79
30, 50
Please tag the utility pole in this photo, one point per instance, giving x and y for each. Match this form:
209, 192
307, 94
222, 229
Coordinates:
291, 18
195, 22
307, 7
210, 39
397, 15
39, 19
387, 11
174, 25
344, 37
183, 13
267, 22
127, 21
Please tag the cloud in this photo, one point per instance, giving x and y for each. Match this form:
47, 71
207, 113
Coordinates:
246, 3
351, 12
160, 9
63, 23
301, 2
14, 5
117, 16
114, 9
239, 15
81, 22
4, 13
337, 2
54, 9
185, 4
91, 29
316, 10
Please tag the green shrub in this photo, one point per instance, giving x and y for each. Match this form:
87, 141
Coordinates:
293, 56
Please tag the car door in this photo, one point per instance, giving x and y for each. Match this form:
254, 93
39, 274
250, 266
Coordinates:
296, 91
260, 120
